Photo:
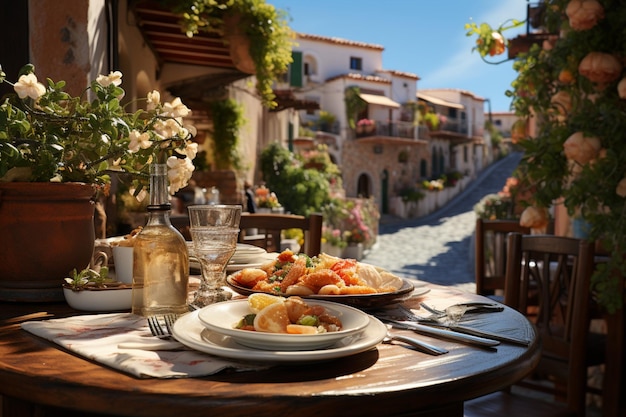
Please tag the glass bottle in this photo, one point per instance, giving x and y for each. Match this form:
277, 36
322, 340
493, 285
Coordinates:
160, 257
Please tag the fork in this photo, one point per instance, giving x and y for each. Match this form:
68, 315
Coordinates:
456, 311
157, 329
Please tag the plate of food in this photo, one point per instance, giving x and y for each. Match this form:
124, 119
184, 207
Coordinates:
325, 278
268, 322
192, 333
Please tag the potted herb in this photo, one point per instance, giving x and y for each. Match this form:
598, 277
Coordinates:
93, 290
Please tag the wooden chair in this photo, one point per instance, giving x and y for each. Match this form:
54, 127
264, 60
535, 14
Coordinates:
561, 268
490, 253
270, 226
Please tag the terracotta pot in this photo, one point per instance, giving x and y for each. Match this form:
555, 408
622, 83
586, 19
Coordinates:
47, 230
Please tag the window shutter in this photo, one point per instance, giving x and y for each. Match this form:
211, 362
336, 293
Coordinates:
295, 70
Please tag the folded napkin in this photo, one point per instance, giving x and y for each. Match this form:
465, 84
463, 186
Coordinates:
116, 340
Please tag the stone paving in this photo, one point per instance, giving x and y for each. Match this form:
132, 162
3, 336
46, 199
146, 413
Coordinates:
438, 248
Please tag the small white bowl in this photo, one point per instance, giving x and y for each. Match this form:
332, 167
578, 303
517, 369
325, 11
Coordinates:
109, 299
222, 317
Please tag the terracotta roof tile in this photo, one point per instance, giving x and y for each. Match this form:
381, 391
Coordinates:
340, 41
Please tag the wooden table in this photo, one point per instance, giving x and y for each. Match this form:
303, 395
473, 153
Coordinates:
390, 380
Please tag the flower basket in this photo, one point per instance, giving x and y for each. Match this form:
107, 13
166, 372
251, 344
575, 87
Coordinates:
354, 251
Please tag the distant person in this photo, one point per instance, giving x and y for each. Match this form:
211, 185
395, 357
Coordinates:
250, 200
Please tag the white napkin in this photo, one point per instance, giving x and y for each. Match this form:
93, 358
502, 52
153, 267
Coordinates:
115, 340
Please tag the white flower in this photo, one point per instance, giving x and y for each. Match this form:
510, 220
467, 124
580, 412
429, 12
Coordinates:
192, 130
167, 128
154, 100
114, 77
28, 86
190, 151
139, 140
179, 172
175, 109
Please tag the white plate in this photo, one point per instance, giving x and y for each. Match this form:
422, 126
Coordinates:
258, 261
375, 300
248, 249
222, 317
191, 332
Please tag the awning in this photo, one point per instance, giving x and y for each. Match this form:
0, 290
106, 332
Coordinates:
439, 101
380, 100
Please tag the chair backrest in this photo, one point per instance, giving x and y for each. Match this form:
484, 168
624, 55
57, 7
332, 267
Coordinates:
490, 253
559, 270
270, 226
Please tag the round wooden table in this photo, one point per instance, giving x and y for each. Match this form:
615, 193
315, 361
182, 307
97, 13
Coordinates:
391, 380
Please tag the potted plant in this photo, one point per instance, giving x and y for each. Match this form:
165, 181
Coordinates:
93, 290
57, 153
572, 87
333, 242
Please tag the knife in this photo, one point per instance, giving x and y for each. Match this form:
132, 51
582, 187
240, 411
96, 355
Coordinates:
443, 333
481, 333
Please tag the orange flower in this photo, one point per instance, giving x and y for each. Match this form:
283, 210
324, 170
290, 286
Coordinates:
600, 67
584, 14
621, 188
563, 103
498, 46
621, 88
581, 148
534, 217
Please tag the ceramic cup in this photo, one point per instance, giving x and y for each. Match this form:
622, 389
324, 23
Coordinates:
123, 261
99, 260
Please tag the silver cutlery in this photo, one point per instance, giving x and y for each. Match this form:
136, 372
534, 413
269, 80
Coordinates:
417, 344
435, 322
162, 331
443, 333
456, 311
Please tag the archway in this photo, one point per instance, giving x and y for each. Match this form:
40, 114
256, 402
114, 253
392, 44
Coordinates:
364, 186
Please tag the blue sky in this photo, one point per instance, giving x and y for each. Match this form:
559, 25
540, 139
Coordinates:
426, 38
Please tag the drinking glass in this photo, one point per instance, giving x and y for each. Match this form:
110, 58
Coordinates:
214, 231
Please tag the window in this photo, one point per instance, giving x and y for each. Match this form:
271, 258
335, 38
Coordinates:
306, 69
356, 63
452, 112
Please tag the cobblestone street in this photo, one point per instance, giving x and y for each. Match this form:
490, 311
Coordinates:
438, 248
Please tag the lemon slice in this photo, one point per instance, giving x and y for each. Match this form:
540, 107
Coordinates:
258, 301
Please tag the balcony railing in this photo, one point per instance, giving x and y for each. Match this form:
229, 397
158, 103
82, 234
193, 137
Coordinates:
405, 130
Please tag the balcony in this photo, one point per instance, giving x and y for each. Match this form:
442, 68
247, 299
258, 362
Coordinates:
404, 130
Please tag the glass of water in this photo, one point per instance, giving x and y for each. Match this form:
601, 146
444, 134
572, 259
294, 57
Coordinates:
214, 232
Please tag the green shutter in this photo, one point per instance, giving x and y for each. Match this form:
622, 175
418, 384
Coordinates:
295, 70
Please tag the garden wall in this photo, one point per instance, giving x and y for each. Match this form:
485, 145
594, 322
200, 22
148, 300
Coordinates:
432, 201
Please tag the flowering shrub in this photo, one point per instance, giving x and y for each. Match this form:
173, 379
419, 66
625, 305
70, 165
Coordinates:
365, 122
333, 237
433, 185
571, 88
265, 198
500, 205
48, 135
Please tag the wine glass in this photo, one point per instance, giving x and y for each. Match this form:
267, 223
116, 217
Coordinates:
214, 232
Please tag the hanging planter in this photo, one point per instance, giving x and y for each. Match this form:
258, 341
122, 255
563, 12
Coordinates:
238, 43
